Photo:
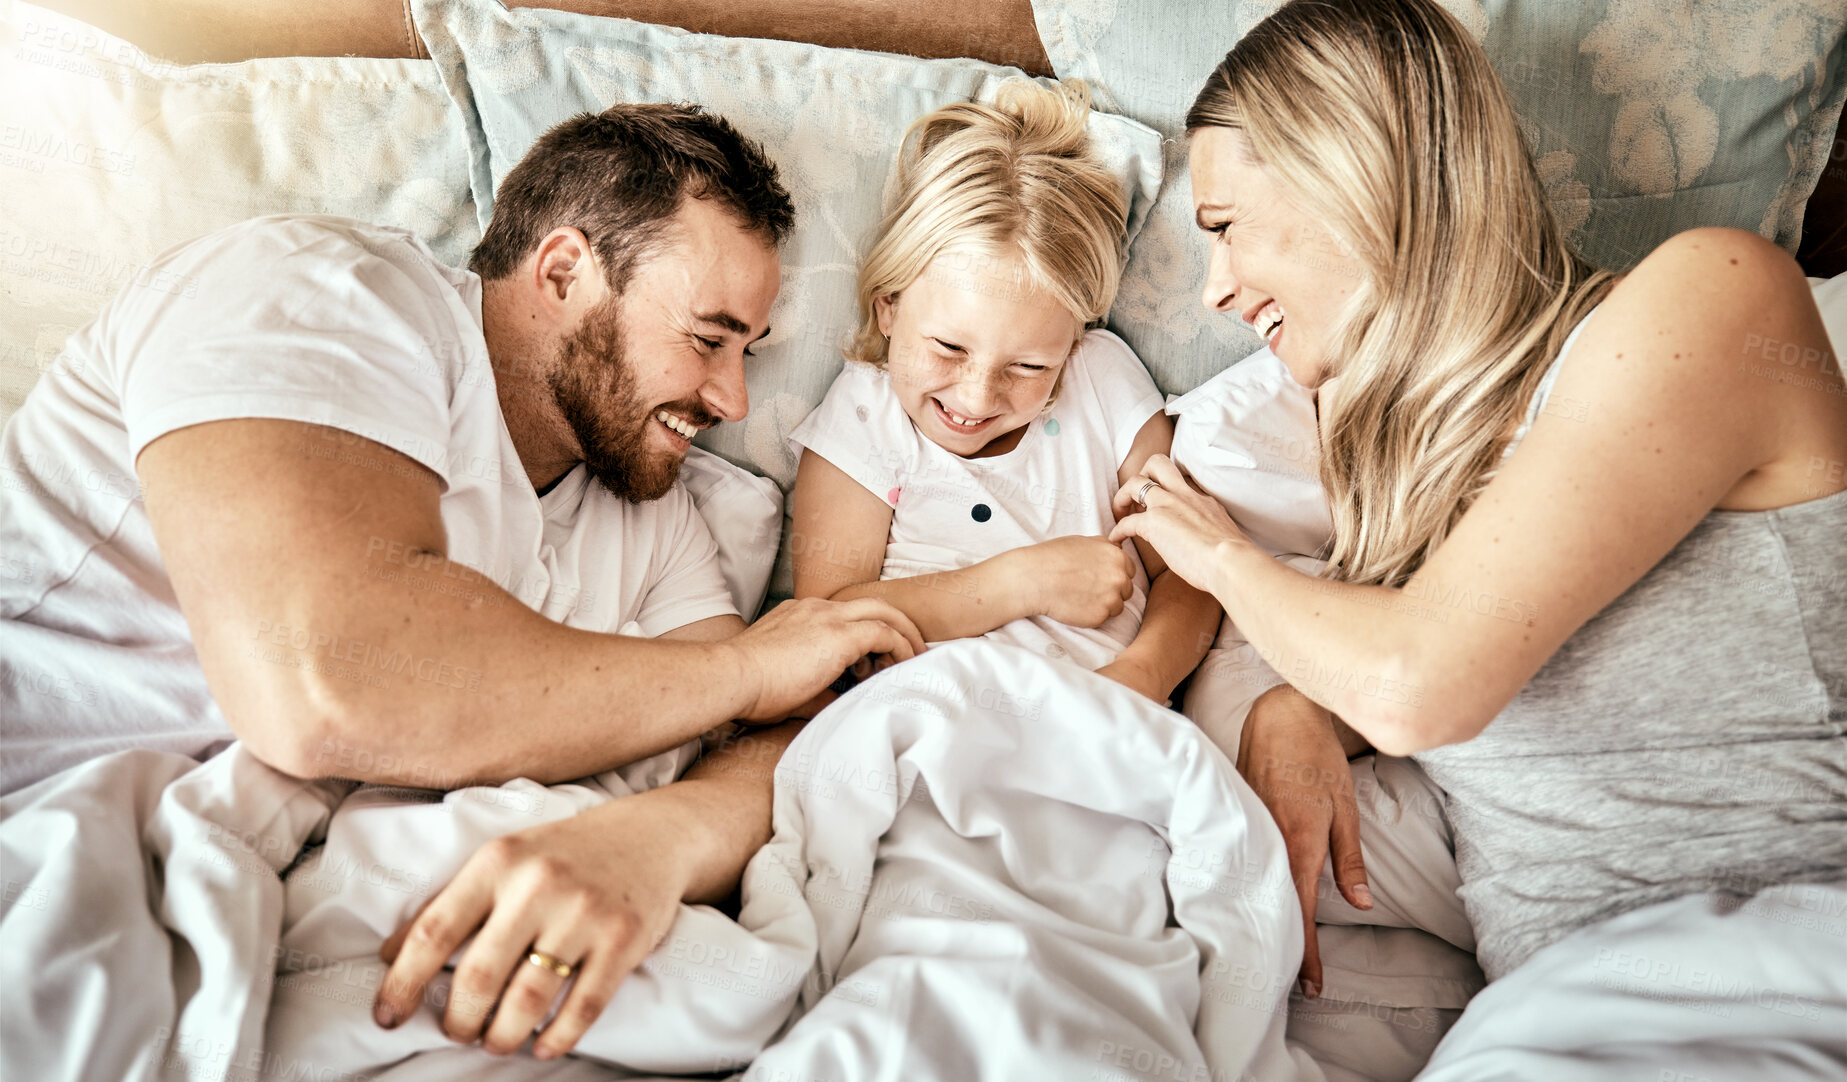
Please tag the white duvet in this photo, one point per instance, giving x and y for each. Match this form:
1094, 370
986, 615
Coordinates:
985, 864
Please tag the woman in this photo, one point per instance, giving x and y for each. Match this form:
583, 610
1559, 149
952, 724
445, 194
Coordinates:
1639, 502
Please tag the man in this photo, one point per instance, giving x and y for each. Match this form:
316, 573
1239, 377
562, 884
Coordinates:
350, 453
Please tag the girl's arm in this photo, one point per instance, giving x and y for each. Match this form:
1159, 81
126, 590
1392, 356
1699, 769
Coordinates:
1180, 622
1672, 416
840, 530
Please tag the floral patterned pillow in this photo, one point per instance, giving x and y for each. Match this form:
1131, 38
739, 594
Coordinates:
1645, 119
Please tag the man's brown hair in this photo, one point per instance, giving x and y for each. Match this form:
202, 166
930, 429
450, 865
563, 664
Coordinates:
619, 176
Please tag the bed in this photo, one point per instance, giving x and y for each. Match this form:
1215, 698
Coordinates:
1641, 125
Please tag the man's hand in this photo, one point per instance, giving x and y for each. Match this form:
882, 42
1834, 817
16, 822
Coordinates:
1292, 757
799, 647
596, 891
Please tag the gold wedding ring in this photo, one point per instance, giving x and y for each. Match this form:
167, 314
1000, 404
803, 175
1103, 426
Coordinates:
1141, 494
546, 961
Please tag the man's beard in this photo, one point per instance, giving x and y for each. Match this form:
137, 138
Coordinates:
594, 387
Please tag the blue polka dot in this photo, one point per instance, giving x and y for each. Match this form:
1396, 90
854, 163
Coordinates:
1051, 426
982, 512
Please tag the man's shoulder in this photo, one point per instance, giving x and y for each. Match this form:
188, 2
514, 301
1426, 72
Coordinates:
335, 275
324, 248
283, 232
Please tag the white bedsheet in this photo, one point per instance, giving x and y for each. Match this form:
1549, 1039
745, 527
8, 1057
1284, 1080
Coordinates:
1018, 870
986, 864
140, 915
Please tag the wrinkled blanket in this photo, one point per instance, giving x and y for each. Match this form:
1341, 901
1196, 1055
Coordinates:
985, 864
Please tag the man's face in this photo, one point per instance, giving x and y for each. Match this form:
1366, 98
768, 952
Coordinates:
645, 370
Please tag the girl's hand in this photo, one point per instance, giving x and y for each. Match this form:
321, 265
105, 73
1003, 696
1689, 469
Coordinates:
1081, 581
1183, 524
596, 892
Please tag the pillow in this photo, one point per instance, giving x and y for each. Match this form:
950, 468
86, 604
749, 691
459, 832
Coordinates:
107, 158
111, 157
830, 118
744, 513
1644, 120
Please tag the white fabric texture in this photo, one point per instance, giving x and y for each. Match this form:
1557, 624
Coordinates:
949, 512
143, 900
110, 157
1395, 977
1249, 438
744, 513
313, 319
1391, 984
710, 996
986, 910
1707, 986
940, 899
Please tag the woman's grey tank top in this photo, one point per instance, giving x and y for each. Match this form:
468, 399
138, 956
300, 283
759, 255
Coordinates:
1691, 737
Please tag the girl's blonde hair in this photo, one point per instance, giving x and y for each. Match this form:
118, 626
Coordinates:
1384, 122
1015, 177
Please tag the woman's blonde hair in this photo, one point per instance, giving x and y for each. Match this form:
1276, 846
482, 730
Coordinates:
1015, 177
1384, 122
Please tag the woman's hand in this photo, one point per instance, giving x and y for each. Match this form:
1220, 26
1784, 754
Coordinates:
1292, 757
596, 892
1076, 580
1183, 524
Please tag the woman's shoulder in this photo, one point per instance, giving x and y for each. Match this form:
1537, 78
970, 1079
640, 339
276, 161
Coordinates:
1709, 336
1729, 265
1721, 291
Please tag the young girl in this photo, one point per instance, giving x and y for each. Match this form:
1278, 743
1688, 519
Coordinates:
962, 464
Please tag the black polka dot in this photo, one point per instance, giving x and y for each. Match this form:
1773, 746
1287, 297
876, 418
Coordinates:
982, 512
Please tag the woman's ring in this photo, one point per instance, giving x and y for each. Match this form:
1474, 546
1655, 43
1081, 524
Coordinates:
546, 961
1141, 494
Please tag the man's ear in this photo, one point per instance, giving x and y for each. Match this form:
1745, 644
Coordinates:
566, 274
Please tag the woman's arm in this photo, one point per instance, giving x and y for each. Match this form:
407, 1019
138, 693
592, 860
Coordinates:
1180, 621
1671, 419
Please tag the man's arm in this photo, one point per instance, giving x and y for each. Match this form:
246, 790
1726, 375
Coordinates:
339, 640
600, 888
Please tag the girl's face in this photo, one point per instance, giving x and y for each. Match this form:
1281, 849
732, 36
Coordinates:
975, 351
1271, 267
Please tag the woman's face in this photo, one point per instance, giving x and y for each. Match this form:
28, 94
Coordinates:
1272, 267
975, 351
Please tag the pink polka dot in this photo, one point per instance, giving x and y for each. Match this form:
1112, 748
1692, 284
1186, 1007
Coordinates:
892, 496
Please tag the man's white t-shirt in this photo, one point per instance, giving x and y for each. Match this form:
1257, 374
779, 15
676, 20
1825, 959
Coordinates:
949, 512
305, 318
